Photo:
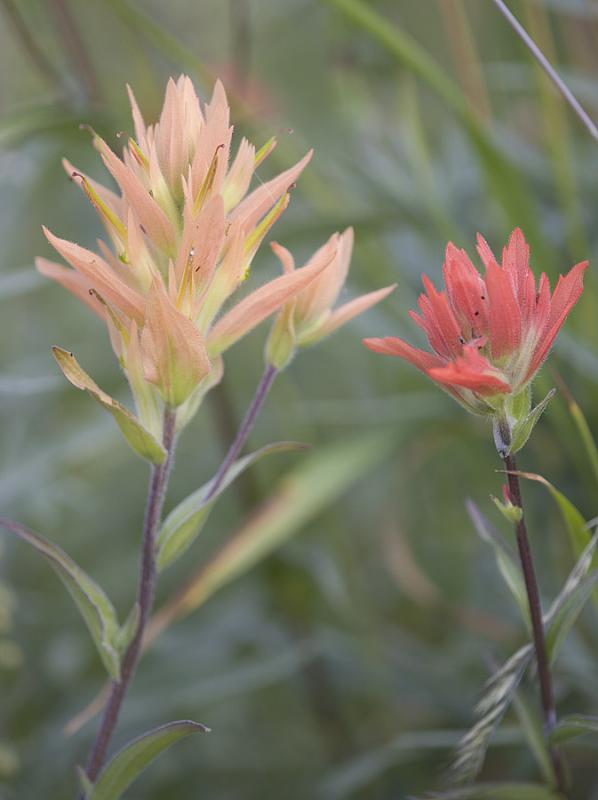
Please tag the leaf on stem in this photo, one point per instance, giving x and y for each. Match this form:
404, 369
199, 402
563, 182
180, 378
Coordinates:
573, 519
91, 600
533, 728
567, 613
301, 494
183, 525
506, 558
563, 613
84, 782
523, 428
130, 762
573, 726
124, 635
502, 686
138, 437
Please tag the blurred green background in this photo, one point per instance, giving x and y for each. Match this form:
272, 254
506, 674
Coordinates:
347, 663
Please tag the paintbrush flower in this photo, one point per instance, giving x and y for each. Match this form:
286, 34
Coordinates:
183, 230
311, 315
488, 335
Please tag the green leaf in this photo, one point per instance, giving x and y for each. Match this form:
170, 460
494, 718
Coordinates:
573, 519
300, 496
138, 437
565, 609
585, 433
124, 635
533, 729
500, 791
522, 430
502, 686
84, 782
182, 526
573, 726
567, 614
93, 603
130, 762
506, 558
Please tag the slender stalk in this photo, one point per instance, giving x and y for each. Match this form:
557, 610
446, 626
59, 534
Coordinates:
145, 598
259, 398
548, 68
117, 690
535, 608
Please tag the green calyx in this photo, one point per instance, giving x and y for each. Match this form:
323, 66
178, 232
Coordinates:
515, 421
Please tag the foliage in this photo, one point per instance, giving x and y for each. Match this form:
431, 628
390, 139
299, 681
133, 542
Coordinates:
345, 663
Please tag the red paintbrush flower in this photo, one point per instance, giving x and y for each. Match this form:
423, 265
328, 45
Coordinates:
489, 335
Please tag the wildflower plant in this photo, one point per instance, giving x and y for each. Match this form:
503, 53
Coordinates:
489, 335
183, 229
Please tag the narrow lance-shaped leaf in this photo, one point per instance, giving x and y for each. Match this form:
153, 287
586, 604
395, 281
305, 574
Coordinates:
523, 428
303, 493
84, 782
585, 433
577, 528
573, 726
572, 517
93, 603
297, 499
130, 762
533, 729
502, 686
567, 615
124, 635
138, 437
577, 574
565, 609
581, 424
505, 557
182, 526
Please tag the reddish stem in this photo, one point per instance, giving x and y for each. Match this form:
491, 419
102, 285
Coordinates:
261, 393
145, 599
535, 609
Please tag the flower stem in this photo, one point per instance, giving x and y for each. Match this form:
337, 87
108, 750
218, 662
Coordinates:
261, 393
145, 598
535, 608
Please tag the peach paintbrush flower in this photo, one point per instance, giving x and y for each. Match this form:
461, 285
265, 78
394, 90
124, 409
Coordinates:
309, 316
489, 336
183, 231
